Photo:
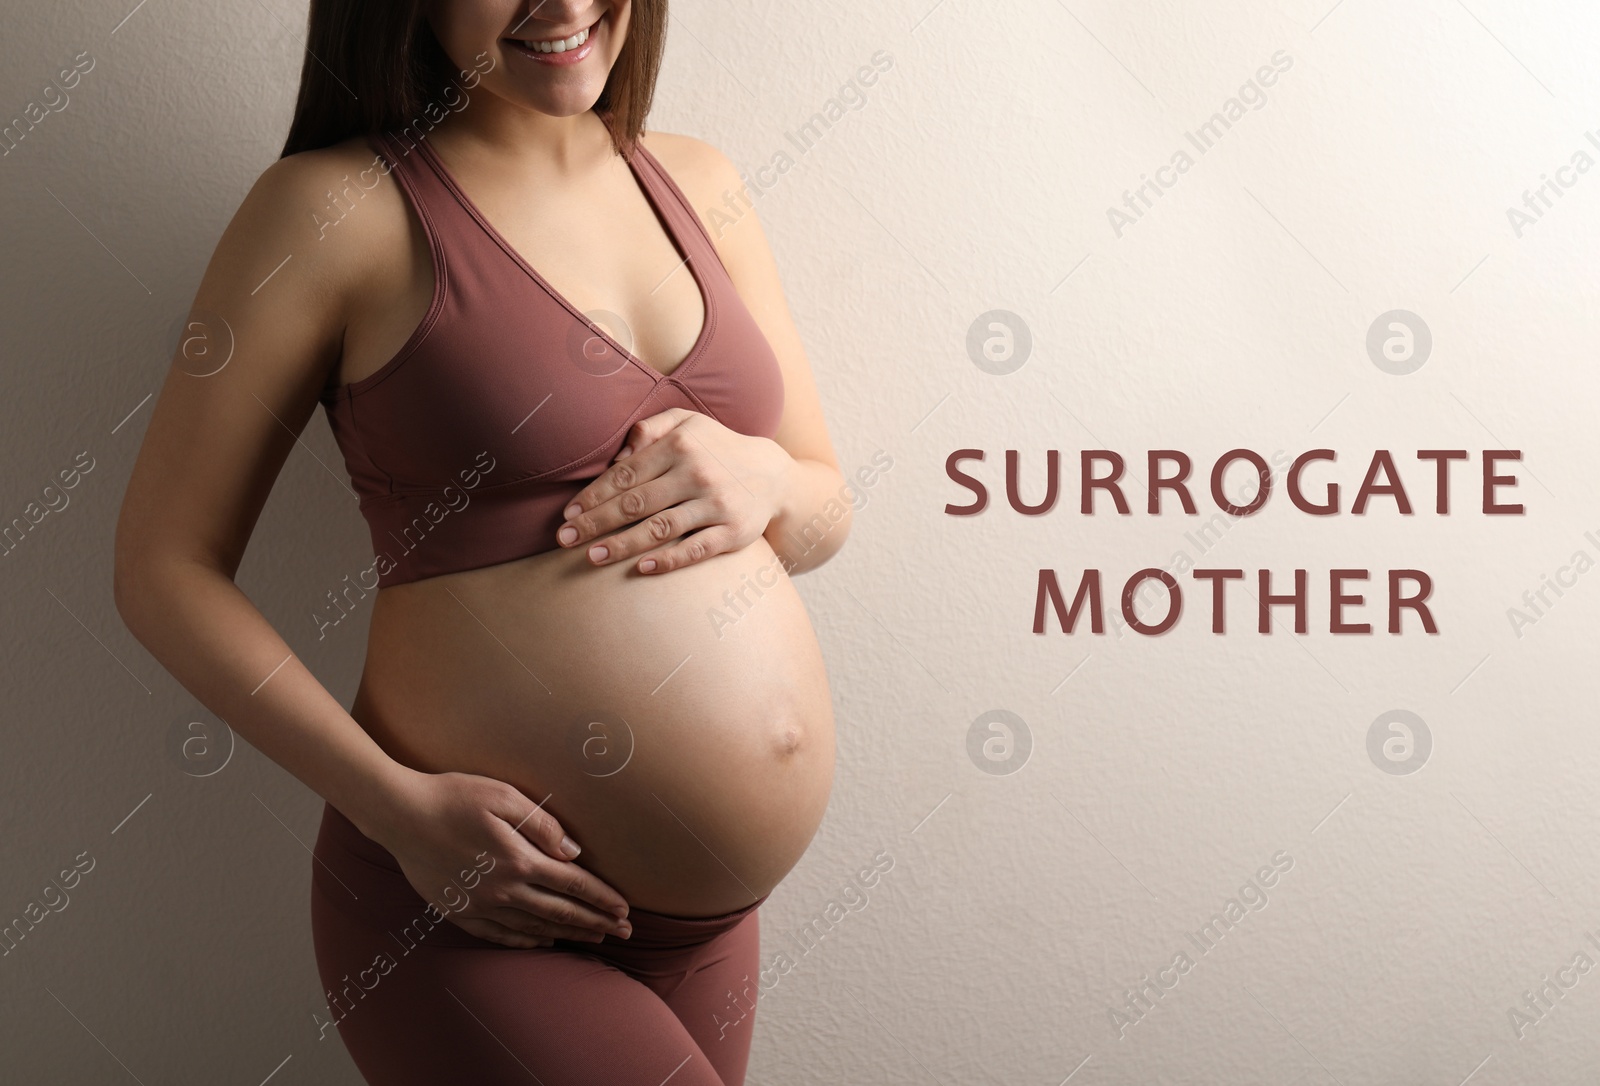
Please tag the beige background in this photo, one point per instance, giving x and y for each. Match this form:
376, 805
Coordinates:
1164, 772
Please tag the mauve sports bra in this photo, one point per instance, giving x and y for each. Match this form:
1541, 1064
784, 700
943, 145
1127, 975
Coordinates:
506, 400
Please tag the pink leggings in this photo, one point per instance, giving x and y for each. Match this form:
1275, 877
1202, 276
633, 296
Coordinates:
419, 1001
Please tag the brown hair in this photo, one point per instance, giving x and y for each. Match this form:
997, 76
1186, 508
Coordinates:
375, 65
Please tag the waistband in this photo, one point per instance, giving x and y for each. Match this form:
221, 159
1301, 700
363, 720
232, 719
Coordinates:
378, 890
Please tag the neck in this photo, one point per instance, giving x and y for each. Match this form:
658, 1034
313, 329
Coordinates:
494, 127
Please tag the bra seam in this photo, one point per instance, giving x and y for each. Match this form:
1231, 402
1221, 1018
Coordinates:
441, 283
700, 405
423, 491
654, 393
538, 476
361, 443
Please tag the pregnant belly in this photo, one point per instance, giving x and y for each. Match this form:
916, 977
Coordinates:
680, 724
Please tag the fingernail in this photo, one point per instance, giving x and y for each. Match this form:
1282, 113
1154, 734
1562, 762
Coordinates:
596, 937
569, 847
626, 450
625, 930
647, 565
572, 510
567, 536
598, 554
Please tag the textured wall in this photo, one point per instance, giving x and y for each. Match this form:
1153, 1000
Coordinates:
1410, 912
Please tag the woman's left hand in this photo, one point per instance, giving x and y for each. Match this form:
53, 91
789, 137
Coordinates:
679, 472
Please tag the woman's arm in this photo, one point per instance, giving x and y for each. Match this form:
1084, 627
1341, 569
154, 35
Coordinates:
278, 292
814, 510
216, 441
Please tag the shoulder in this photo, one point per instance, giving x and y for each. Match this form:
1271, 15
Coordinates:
715, 189
693, 163
688, 157
333, 208
309, 182
323, 188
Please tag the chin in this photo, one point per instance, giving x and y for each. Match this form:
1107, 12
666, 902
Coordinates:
559, 105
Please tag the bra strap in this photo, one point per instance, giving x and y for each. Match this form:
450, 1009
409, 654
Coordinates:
444, 220
686, 224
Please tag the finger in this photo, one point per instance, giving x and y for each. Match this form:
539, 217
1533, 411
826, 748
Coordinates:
653, 532
566, 878
495, 932
650, 430
627, 507
618, 478
535, 824
696, 548
539, 928
540, 827
565, 893
557, 909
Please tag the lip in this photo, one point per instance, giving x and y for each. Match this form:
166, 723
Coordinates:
570, 57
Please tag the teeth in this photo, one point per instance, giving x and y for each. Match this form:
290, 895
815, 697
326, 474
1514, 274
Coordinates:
560, 45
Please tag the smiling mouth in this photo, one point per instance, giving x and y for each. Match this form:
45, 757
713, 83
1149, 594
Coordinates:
569, 49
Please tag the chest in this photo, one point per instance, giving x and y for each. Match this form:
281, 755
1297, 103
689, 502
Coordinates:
597, 243
546, 329
602, 247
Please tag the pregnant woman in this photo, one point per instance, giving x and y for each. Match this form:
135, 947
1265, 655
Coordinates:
594, 730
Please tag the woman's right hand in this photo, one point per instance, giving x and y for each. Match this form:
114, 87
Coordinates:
496, 865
